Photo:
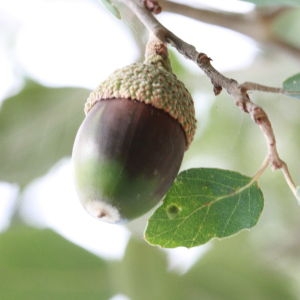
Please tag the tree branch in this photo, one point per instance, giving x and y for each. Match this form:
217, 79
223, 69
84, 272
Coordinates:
239, 92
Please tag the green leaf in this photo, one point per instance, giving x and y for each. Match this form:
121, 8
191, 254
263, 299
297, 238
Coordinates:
110, 7
291, 86
37, 128
273, 2
202, 204
39, 264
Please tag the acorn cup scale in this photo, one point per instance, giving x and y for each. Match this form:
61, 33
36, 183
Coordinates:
130, 146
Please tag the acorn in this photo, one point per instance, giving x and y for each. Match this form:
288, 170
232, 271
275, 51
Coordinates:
130, 146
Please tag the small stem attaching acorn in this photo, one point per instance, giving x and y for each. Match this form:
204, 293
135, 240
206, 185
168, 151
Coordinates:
130, 146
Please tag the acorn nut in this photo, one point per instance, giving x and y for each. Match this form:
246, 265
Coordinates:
130, 146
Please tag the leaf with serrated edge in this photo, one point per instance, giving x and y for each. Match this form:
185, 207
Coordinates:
291, 86
203, 204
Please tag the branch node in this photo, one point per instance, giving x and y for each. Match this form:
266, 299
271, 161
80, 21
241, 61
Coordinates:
153, 6
217, 89
203, 60
259, 116
242, 105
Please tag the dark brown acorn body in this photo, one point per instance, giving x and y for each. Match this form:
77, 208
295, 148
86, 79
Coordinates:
130, 146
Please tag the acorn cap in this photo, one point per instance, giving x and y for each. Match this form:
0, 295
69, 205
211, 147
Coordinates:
151, 82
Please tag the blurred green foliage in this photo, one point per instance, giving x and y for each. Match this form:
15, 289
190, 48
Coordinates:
38, 264
37, 128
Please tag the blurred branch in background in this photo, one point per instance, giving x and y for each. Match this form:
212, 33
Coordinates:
257, 24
